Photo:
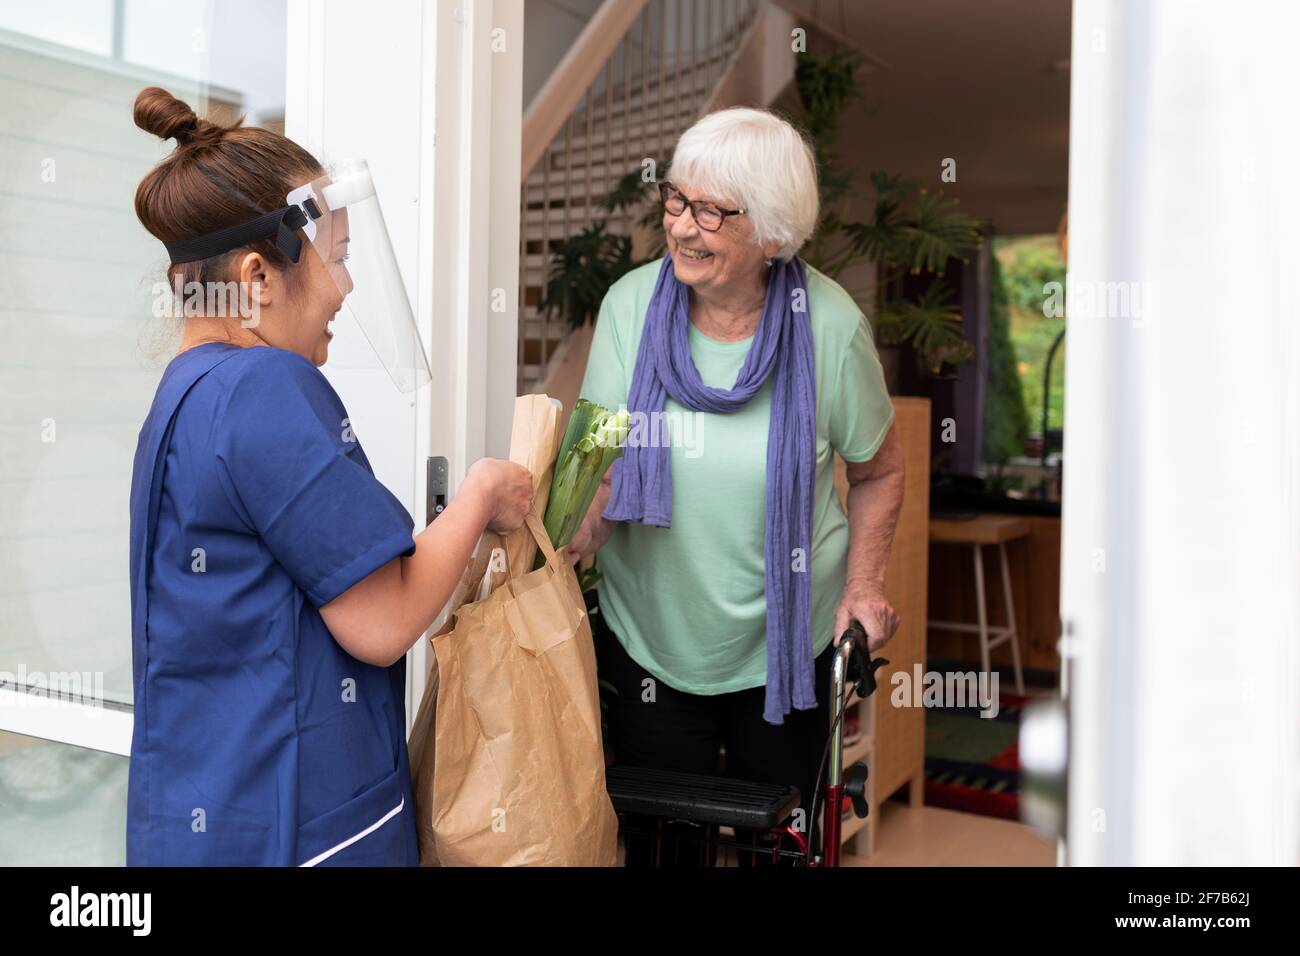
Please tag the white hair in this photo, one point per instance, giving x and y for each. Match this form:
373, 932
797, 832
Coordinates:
760, 163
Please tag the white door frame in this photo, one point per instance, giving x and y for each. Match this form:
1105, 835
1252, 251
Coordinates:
79, 720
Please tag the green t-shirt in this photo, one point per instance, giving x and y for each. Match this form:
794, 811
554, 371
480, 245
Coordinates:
687, 602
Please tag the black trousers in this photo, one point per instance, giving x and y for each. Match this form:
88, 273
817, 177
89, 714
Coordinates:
687, 732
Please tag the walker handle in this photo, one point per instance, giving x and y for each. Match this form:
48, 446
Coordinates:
855, 632
861, 669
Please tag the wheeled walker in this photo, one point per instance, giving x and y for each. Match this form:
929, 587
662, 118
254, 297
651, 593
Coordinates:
717, 810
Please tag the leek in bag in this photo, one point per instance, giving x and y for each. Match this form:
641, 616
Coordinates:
592, 442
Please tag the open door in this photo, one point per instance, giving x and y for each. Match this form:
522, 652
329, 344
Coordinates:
1181, 539
429, 94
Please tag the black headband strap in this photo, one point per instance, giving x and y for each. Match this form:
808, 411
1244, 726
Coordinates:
281, 224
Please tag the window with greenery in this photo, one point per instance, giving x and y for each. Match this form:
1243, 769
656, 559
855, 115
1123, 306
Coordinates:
1023, 266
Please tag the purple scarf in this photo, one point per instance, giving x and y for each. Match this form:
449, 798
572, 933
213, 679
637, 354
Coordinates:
642, 478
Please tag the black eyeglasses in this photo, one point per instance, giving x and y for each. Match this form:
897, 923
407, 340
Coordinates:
707, 216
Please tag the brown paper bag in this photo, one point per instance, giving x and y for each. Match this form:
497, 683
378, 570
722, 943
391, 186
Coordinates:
534, 442
506, 752
422, 740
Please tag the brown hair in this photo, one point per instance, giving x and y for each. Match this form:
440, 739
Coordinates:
217, 176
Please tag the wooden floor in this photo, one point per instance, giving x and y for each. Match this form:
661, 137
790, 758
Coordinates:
929, 836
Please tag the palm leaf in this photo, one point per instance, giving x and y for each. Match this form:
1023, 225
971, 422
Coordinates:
931, 324
935, 233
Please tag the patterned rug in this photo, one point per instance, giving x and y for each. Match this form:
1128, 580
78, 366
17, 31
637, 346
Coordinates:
972, 763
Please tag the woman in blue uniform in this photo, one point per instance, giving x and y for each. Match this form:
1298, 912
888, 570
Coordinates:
276, 584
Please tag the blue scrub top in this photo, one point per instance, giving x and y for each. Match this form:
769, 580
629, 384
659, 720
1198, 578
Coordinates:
258, 739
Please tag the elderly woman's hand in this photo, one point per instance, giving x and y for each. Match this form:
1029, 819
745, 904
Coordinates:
595, 528
587, 539
866, 603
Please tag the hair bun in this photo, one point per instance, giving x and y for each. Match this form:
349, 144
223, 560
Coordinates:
160, 113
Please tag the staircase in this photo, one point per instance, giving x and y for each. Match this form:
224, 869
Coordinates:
659, 77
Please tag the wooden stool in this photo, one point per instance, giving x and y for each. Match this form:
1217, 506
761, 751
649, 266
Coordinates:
981, 530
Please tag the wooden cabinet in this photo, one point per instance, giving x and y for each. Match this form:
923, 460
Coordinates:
893, 738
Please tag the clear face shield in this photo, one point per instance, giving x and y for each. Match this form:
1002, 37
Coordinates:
346, 232
339, 215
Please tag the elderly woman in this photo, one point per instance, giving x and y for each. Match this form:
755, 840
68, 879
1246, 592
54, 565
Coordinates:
728, 566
